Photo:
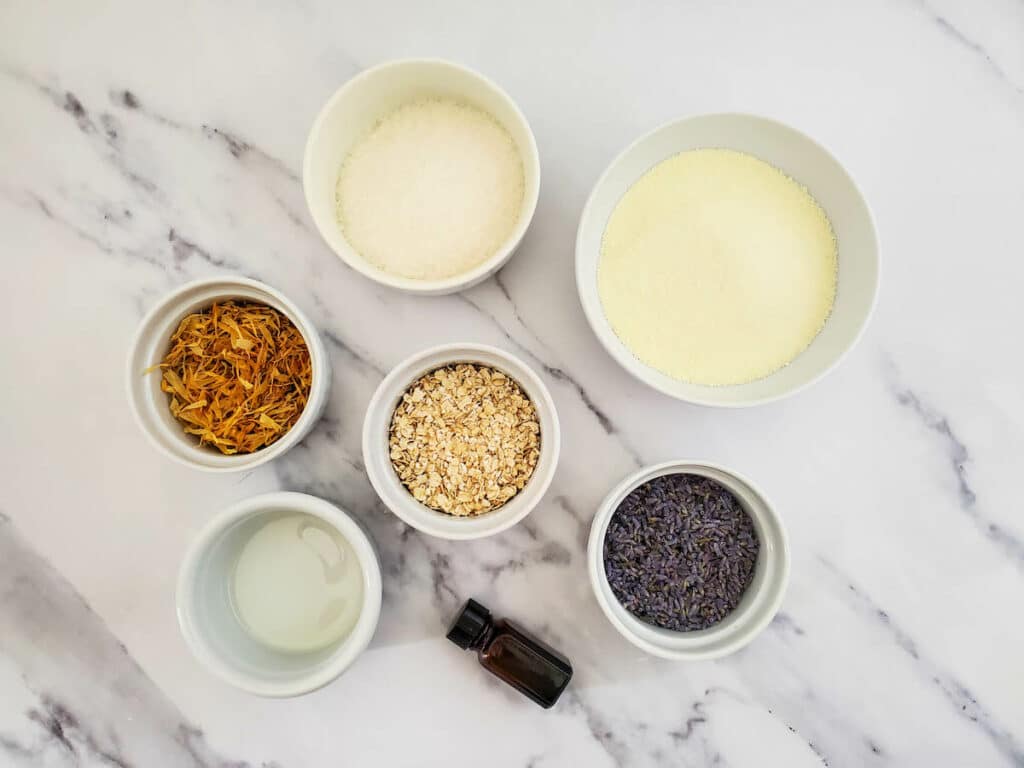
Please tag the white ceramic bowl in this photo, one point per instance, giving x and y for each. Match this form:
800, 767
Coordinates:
352, 112
151, 341
760, 602
214, 633
378, 461
796, 155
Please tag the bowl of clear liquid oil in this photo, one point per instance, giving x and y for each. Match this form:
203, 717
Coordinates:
279, 594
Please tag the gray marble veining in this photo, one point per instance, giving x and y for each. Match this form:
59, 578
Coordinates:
84, 700
143, 145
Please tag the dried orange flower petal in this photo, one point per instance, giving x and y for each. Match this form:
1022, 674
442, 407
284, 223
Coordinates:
237, 376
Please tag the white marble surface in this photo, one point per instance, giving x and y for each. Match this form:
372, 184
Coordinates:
144, 144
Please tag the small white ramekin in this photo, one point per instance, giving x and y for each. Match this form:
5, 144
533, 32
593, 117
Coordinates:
758, 605
212, 630
797, 155
353, 111
149, 403
376, 453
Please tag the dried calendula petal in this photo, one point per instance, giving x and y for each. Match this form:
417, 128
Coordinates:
268, 422
237, 375
464, 439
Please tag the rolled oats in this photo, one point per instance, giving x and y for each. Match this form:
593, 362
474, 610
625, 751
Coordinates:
464, 439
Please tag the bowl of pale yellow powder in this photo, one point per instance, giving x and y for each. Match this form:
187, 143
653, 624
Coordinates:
727, 260
422, 175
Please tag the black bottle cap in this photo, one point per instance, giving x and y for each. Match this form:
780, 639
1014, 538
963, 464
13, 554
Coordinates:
469, 625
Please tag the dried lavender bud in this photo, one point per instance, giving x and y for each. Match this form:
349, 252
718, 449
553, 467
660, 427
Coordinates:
680, 551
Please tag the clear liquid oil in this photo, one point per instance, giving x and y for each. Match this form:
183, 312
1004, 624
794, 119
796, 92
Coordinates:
297, 585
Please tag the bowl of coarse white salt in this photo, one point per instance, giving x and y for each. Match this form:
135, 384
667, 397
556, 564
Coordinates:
727, 260
422, 175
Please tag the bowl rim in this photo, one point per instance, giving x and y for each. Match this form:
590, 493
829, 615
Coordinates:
437, 523
638, 369
348, 649
774, 591
464, 280
169, 303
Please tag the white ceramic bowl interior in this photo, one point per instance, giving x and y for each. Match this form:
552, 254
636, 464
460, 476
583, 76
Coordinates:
214, 633
799, 157
150, 405
756, 609
384, 478
371, 95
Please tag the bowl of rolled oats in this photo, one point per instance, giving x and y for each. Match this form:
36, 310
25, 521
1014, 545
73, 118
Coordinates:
461, 441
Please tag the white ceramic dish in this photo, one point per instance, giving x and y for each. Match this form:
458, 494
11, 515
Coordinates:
801, 158
352, 112
151, 340
758, 605
382, 474
212, 630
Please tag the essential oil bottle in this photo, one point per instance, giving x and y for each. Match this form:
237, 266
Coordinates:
512, 654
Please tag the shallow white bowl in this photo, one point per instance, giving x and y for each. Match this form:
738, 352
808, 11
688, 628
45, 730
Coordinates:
216, 636
376, 454
760, 602
150, 405
796, 155
369, 96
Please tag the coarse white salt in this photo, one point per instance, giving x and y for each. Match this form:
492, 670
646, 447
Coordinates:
432, 191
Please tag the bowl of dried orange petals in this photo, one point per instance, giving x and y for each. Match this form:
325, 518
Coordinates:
226, 373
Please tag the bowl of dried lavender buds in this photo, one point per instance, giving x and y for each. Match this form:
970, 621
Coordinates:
226, 373
688, 560
461, 441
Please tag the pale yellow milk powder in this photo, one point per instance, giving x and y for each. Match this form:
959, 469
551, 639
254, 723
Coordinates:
716, 268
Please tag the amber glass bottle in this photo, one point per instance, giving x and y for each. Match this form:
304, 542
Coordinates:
521, 660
